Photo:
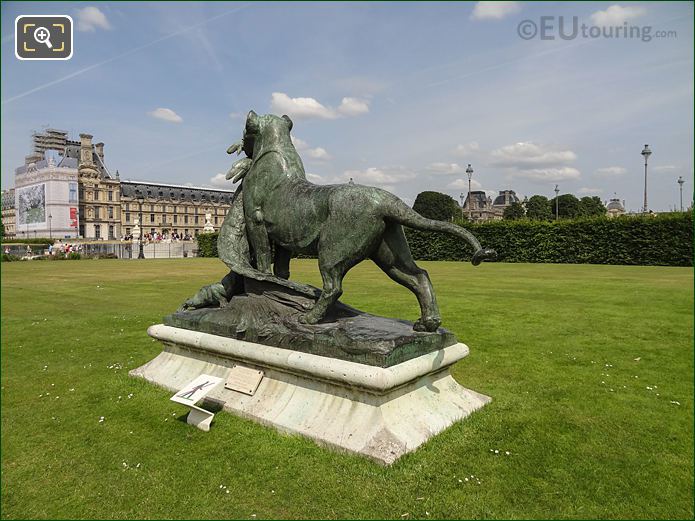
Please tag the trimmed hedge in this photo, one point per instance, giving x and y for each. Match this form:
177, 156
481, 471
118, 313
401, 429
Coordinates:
207, 244
662, 240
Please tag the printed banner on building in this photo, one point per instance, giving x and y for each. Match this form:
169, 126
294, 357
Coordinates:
73, 217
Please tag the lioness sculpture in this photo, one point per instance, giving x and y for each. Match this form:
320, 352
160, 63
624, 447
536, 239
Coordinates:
342, 224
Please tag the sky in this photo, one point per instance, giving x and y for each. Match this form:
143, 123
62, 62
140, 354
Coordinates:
397, 95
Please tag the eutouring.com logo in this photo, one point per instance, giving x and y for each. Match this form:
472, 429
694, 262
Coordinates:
559, 27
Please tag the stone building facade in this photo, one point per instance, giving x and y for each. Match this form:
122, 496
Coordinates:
484, 208
8, 213
95, 203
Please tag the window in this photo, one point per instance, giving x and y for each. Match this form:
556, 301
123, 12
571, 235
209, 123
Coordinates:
174, 210
110, 212
127, 207
127, 217
97, 231
111, 231
96, 212
196, 219
127, 231
73, 193
164, 218
176, 220
110, 195
152, 231
151, 217
151, 208
185, 220
185, 231
216, 219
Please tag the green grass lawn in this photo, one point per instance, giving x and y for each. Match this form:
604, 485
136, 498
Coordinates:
590, 369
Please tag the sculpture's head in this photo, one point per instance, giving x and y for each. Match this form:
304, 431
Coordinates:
265, 128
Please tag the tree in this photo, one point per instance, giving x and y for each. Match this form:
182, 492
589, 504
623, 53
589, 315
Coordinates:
538, 208
435, 205
591, 206
568, 206
514, 211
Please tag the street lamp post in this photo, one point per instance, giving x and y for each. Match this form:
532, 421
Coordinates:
557, 206
646, 153
680, 182
50, 226
469, 171
141, 253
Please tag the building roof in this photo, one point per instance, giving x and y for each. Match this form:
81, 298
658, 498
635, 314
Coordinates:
506, 198
145, 189
480, 199
615, 204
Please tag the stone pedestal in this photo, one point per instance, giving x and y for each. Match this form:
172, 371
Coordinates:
379, 412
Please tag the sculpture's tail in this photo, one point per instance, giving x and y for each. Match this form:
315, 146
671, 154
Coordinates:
403, 214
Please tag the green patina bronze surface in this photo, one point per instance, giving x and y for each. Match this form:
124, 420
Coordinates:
276, 214
269, 315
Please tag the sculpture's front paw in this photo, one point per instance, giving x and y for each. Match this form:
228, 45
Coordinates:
428, 324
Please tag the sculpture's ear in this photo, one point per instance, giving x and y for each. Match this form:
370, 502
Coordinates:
252, 121
289, 121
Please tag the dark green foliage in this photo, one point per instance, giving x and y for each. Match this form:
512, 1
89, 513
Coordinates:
435, 205
591, 207
538, 208
207, 244
9, 258
664, 240
514, 211
568, 206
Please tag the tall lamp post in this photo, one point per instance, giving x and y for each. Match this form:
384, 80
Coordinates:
646, 153
469, 171
50, 219
557, 206
141, 252
680, 182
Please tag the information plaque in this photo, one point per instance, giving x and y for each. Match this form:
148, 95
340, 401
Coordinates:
244, 379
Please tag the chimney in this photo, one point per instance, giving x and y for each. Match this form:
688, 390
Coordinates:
100, 150
86, 149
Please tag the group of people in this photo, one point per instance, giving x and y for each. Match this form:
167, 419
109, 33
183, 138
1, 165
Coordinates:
63, 247
158, 237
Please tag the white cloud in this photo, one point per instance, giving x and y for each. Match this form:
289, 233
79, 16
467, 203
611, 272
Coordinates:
385, 177
166, 115
466, 149
300, 108
610, 171
590, 191
462, 184
316, 179
318, 153
548, 174
494, 10
90, 18
616, 15
527, 154
665, 168
353, 107
445, 168
219, 180
314, 153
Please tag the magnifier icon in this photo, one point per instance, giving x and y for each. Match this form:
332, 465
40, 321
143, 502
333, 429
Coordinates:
43, 35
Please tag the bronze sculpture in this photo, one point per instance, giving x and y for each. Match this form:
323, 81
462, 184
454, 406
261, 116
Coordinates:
277, 213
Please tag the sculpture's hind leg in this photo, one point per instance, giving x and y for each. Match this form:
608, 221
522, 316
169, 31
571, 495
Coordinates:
394, 258
332, 289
